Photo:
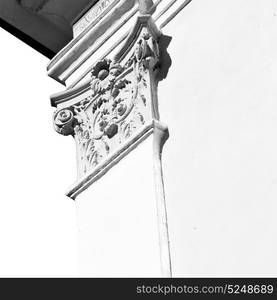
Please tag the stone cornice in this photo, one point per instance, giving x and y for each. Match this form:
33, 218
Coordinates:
93, 15
88, 43
70, 94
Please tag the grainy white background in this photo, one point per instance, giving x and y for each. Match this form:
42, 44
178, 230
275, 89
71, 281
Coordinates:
220, 103
38, 232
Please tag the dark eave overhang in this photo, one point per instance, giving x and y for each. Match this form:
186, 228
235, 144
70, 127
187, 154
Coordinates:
45, 25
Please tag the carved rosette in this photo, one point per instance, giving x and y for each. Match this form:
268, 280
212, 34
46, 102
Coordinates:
121, 103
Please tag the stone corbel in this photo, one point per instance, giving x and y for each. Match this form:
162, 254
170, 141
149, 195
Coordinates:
119, 108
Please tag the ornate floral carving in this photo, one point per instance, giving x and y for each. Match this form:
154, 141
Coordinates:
119, 106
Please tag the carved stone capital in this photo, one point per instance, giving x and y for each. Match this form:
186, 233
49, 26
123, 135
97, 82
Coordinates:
120, 103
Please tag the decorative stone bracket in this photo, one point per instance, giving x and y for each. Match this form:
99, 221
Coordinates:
121, 107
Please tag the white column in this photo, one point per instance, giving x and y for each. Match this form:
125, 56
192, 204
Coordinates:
114, 120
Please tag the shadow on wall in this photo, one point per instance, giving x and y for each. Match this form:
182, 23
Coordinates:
166, 61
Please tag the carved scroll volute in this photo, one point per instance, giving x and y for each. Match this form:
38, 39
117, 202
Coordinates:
64, 121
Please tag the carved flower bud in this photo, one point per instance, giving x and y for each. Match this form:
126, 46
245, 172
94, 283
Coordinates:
120, 84
122, 109
115, 92
101, 69
115, 69
141, 50
102, 125
138, 53
112, 131
103, 74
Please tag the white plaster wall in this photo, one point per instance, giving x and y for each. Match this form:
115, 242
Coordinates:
220, 103
118, 235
